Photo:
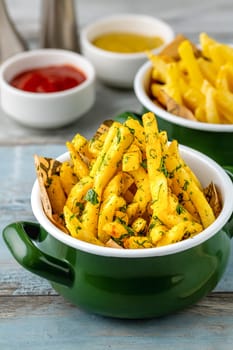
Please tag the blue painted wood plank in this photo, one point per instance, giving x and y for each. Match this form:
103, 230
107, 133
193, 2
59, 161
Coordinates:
51, 323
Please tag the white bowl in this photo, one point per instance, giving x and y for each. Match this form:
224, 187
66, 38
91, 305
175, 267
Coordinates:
119, 69
141, 88
215, 140
206, 170
46, 110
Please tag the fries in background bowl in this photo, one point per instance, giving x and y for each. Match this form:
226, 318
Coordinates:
194, 83
128, 187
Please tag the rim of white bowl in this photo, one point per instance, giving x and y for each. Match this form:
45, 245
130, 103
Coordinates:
170, 34
144, 99
174, 248
85, 66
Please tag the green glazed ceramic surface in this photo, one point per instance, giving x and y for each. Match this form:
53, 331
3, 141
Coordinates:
121, 287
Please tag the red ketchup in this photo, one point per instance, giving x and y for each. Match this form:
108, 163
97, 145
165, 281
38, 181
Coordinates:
48, 79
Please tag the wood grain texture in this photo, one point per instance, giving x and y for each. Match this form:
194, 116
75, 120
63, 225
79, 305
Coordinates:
48, 322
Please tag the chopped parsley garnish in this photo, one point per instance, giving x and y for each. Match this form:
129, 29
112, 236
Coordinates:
92, 197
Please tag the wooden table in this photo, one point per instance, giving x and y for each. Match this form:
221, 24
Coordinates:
32, 315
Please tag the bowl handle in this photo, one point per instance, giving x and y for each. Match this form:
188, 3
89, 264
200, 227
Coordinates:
20, 237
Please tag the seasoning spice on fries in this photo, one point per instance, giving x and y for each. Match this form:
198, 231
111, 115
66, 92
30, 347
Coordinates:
193, 83
135, 192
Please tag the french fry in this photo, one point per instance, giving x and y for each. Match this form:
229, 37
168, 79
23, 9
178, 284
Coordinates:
106, 214
143, 195
157, 230
132, 159
56, 194
224, 100
211, 110
67, 177
137, 242
118, 185
175, 213
159, 71
206, 43
185, 187
138, 132
75, 200
80, 167
118, 231
139, 225
207, 69
177, 232
172, 82
106, 165
118, 140
75, 228
187, 56
81, 145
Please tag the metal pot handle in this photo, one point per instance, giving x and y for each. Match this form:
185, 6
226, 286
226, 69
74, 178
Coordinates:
20, 237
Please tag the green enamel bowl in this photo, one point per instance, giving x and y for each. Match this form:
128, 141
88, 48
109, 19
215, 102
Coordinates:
128, 283
215, 140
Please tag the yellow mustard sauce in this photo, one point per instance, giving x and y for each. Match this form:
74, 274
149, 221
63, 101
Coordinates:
127, 42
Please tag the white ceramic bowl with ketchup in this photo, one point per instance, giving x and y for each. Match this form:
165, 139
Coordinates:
45, 109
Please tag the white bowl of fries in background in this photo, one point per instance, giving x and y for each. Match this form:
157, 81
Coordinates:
116, 44
190, 90
130, 225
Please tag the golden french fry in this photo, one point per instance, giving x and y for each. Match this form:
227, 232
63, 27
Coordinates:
224, 100
106, 214
159, 70
143, 195
156, 231
75, 200
139, 225
178, 232
118, 231
138, 132
175, 213
67, 177
81, 145
138, 242
115, 186
108, 160
206, 42
132, 159
211, 110
75, 228
56, 194
193, 98
187, 56
80, 167
207, 69
172, 82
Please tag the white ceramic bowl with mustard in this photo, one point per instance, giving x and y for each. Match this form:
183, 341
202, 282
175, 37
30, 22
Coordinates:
119, 68
35, 106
